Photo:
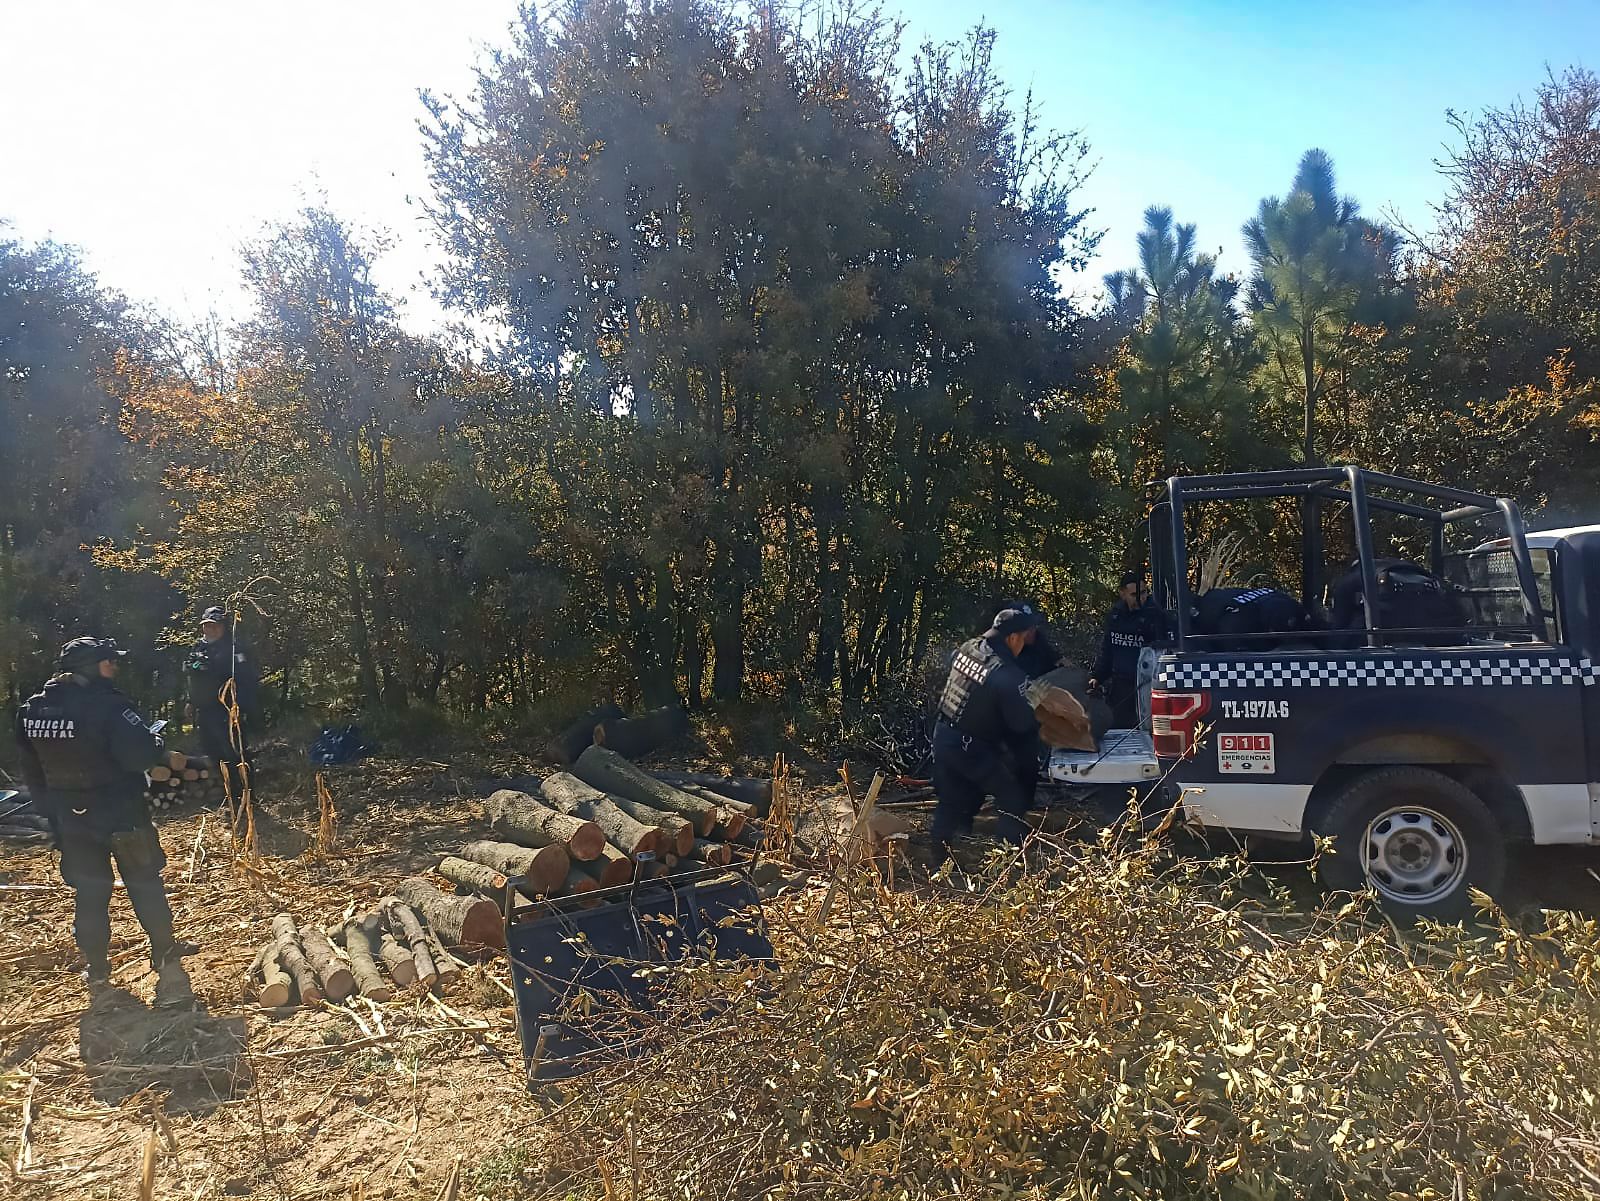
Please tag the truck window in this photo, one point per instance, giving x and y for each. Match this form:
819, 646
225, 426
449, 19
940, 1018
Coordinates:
1487, 583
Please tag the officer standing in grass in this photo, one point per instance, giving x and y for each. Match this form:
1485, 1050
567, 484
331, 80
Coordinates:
987, 739
214, 660
84, 751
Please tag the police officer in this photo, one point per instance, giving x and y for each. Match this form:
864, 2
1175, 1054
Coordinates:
987, 740
84, 749
1133, 624
215, 659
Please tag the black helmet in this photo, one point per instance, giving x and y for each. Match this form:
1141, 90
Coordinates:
83, 655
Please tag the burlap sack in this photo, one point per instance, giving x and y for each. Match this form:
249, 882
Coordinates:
1062, 720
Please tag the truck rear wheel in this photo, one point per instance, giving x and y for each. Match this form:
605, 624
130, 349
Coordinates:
1419, 838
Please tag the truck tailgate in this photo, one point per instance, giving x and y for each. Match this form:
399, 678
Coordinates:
1124, 757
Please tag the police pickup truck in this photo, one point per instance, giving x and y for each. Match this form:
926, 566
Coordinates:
1421, 749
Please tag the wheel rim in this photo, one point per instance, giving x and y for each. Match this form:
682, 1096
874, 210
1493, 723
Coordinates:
1414, 855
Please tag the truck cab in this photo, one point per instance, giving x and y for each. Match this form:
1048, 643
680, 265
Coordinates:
1418, 752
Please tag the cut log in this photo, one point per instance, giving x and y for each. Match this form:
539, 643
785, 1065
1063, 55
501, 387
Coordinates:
677, 831
293, 959
190, 775
569, 744
205, 773
272, 984
177, 761
716, 798
407, 930
572, 796
612, 867
716, 854
473, 877
359, 946
402, 967
632, 737
748, 790
610, 772
446, 964
522, 817
459, 921
338, 981
543, 868
160, 773
579, 880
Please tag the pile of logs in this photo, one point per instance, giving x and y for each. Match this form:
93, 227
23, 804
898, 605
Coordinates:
401, 942
584, 829
182, 779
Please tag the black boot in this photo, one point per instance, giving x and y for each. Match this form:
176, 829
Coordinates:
96, 976
170, 950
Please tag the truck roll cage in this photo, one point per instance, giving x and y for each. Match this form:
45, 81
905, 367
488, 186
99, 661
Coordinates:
1435, 504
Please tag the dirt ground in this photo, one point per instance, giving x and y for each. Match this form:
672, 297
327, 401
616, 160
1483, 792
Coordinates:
355, 1101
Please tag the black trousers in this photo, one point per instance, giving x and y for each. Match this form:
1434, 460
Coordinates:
1122, 694
220, 750
965, 771
86, 856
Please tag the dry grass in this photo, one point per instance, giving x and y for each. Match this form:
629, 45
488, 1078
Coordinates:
1116, 1022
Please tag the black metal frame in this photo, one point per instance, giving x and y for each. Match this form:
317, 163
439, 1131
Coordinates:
550, 1048
1312, 486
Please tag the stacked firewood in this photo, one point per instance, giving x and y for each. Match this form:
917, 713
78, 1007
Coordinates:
183, 779
403, 941
584, 829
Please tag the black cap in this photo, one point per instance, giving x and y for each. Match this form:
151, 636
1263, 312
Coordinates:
1015, 621
216, 613
1131, 577
83, 654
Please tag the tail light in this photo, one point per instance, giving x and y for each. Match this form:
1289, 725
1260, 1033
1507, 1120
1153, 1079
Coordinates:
1175, 722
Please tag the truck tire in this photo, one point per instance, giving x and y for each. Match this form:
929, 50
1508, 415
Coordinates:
1419, 838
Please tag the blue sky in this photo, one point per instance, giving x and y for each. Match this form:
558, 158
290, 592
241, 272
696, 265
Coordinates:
157, 134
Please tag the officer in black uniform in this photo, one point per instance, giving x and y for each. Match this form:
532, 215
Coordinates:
215, 659
84, 749
987, 740
1133, 624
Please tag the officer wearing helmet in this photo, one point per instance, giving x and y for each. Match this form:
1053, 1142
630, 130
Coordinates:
987, 740
215, 660
84, 751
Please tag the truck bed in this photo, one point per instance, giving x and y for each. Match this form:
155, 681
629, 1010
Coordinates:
1124, 757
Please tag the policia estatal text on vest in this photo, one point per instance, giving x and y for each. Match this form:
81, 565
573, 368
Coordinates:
84, 751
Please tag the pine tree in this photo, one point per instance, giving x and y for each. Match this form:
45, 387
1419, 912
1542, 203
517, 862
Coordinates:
1320, 272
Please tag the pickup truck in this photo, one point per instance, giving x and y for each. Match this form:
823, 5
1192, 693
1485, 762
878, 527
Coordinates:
1420, 753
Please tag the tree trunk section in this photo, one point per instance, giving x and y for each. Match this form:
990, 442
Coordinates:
632, 737
338, 981
474, 877
402, 967
610, 868
733, 812
542, 868
610, 772
570, 743
580, 880
294, 960
271, 982
363, 962
748, 790
521, 817
459, 921
710, 853
572, 796
677, 832
403, 924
